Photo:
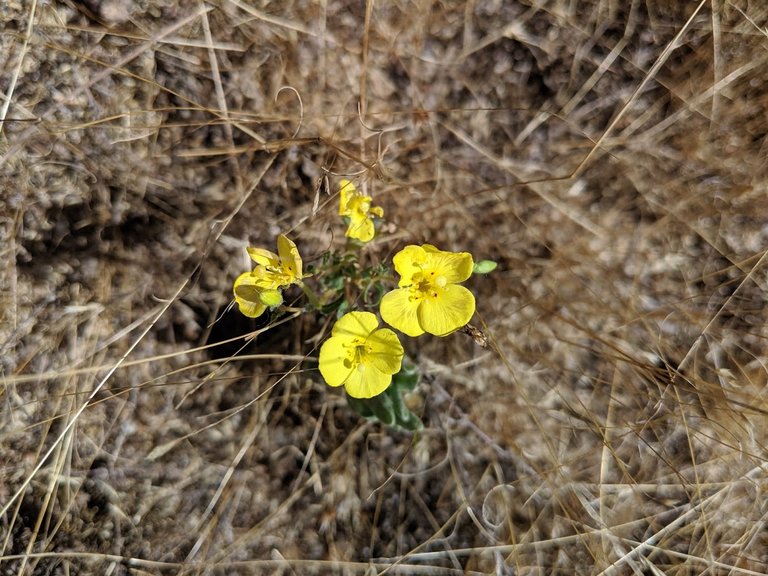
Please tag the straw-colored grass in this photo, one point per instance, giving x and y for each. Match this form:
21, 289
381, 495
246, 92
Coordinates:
610, 155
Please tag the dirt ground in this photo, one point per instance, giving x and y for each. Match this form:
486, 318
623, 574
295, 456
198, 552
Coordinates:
611, 156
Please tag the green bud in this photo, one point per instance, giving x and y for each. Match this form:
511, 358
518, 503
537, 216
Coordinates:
271, 298
484, 267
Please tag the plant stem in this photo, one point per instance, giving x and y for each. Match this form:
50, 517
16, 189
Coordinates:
314, 301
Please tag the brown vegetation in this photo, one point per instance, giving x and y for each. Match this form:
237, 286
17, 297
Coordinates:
610, 155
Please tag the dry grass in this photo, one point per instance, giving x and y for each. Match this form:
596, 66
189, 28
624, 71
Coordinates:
610, 155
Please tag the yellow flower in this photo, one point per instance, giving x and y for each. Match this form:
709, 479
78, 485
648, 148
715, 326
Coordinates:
360, 356
281, 269
259, 289
429, 298
254, 295
357, 207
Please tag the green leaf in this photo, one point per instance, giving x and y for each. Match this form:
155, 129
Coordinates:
404, 418
383, 408
373, 293
389, 407
377, 408
343, 309
408, 377
400, 409
411, 422
484, 267
361, 406
332, 306
336, 283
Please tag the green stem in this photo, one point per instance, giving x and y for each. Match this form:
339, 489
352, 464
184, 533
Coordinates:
314, 301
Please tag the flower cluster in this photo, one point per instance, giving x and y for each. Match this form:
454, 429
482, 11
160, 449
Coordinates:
259, 289
363, 357
368, 360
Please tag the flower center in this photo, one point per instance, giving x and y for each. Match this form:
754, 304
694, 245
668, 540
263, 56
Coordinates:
282, 273
427, 284
357, 354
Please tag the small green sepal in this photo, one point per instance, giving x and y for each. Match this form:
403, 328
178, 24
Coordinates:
484, 267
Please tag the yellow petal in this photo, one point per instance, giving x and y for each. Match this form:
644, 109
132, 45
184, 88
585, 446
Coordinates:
334, 362
248, 296
247, 286
377, 211
360, 204
452, 309
366, 381
263, 257
346, 192
361, 229
400, 311
453, 266
355, 325
358, 207
385, 351
289, 257
266, 279
250, 309
409, 261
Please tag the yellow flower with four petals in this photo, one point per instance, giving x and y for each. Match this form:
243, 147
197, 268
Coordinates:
357, 207
259, 289
360, 356
429, 297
